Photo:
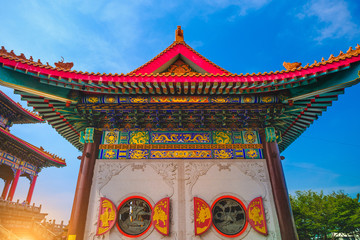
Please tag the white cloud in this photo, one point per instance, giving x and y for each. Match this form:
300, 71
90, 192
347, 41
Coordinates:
334, 18
312, 168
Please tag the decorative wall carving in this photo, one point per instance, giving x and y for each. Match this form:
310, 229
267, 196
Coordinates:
106, 170
167, 171
255, 170
193, 170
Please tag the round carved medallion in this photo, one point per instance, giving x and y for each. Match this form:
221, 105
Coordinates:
134, 216
229, 217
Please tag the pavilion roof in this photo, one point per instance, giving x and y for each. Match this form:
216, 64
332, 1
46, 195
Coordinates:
54, 92
16, 112
28, 152
147, 69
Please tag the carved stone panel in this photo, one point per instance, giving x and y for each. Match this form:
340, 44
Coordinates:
181, 180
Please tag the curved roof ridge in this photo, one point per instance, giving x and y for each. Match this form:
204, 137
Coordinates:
12, 56
175, 43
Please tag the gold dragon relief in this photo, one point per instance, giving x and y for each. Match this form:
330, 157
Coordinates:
180, 154
138, 154
222, 137
223, 154
141, 137
164, 138
196, 138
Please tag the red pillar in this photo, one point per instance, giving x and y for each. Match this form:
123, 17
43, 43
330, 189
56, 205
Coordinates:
82, 192
31, 190
279, 189
13, 185
6, 189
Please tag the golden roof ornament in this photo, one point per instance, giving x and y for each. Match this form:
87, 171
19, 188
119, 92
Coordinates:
291, 66
66, 66
179, 34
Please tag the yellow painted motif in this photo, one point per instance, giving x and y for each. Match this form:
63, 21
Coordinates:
122, 99
266, 99
222, 138
255, 214
160, 216
110, 99
72, 237
252, 153
250, 137
110, 154
138, 100
181, 154
180, 99
163, 138
219, 100
93, 99
203, 215
222, 154
198, 138
139, 138
111, 137
248, 99
138, 154
107, 216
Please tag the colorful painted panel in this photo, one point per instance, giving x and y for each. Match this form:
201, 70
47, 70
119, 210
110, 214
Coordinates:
116, 99
248, 136
270, 134
180, 137
160, 216
180, 99
251, 137
202, 216
181, 144
222, 137
139, 137
256, 216
237, 137
138, 154
13, 162
180, 154
223, 153
109, 154
253, 153
111, 137
107, 216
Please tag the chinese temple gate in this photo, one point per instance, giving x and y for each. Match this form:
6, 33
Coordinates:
180, 148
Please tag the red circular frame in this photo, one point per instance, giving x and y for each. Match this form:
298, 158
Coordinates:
246, 220
117, 217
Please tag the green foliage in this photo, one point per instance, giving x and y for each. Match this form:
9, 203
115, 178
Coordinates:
317, 215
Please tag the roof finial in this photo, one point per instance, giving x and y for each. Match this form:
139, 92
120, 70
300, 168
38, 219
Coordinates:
179, 34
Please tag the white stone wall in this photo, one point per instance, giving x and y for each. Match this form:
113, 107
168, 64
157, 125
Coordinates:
181, 180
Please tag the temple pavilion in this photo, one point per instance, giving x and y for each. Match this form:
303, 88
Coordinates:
19, 158
180, 131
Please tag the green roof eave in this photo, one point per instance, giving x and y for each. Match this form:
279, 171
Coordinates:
327, 83
30, 84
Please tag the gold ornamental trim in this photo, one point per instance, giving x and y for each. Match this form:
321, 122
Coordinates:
180, 146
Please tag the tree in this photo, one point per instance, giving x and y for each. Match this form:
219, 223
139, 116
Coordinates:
317, 215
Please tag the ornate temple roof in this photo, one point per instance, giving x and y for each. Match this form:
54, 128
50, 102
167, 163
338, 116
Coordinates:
57, 92
15, 112
23, 150
28, 152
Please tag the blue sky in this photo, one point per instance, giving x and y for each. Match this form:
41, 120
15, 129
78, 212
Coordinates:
243, 36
